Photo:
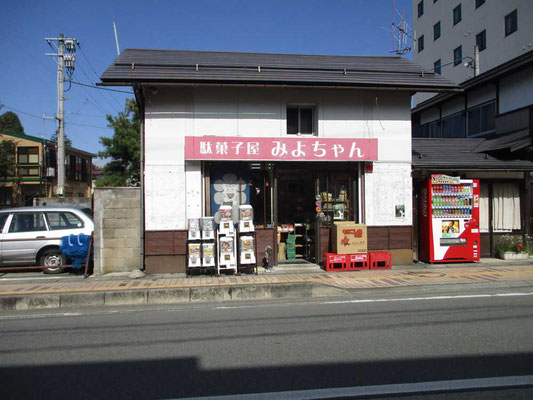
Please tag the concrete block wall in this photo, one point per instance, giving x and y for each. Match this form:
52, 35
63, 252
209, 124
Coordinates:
117, 230
63, 201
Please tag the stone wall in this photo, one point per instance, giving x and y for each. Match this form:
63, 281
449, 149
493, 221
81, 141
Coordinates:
117, 230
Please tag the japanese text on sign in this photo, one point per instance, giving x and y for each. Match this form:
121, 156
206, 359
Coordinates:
241, 148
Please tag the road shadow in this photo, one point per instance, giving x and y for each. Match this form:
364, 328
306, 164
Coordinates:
183, 377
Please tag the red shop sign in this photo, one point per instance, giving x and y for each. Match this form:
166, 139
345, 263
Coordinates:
269, 148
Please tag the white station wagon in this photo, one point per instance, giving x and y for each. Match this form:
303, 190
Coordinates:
32, 235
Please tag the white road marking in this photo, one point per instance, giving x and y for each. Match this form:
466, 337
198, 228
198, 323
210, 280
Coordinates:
196, 307
382, 390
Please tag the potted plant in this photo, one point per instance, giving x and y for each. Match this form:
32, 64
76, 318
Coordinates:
513, 248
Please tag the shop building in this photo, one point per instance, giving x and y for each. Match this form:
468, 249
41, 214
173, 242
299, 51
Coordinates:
306, 140
483, 132
458, 38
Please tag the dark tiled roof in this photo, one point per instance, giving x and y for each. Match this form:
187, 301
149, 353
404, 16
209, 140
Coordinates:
513, 141
461, 154
179, 66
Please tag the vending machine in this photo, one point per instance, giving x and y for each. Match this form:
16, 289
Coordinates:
449, 220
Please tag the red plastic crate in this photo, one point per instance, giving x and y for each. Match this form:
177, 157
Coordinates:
357, 262
335, 262
380, 260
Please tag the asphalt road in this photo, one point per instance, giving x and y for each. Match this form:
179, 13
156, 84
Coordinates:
253, 347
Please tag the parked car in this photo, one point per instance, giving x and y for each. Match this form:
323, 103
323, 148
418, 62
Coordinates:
32, 235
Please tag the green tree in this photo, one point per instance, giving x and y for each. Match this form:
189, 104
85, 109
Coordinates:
66, 140
10, 123
123, 149
7, 158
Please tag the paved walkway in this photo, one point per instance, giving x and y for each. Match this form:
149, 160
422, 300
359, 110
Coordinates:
401, 277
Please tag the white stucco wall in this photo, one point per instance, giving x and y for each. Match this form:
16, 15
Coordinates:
174, 188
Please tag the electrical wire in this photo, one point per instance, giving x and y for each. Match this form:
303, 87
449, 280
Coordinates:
22, 112
96, 74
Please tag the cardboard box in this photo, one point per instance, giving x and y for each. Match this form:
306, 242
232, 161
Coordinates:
349, 237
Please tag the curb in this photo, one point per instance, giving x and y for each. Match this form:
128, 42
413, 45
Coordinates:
167, 296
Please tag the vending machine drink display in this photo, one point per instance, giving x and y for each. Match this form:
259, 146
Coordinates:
246, 218
449, 220
208, 228
194, 255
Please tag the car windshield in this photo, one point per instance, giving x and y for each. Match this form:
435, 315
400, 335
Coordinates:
88, 212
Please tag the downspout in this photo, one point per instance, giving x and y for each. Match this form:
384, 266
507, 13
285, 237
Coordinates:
140, 104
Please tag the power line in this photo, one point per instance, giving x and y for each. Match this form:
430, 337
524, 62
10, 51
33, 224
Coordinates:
23, 112
101, 88
88, 126
36, 116
97, 77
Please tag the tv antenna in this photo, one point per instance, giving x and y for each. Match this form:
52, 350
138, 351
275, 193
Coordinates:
403, 38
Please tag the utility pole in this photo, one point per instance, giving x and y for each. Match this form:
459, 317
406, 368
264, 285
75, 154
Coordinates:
66, 54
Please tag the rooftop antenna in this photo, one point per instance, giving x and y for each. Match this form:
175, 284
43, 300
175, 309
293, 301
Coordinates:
116, 38
403, 38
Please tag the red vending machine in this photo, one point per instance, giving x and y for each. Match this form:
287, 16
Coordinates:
449, 220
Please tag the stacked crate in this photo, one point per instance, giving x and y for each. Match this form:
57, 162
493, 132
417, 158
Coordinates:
291, 247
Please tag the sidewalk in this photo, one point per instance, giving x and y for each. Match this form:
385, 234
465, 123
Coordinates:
309, 281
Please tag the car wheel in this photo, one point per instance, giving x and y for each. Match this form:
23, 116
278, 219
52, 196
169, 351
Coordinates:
54, 259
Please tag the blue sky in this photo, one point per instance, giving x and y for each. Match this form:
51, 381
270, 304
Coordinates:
28, 78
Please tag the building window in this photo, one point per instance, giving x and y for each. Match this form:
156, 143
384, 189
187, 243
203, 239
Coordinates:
301, 120
28, 171
454, 126
421, 43
457, 14
420, 8
481, 40
6, 197
479, 3
428, 130
511, 23
505, 207
28, 155
457, 55
481, 119
436, 31
436, 66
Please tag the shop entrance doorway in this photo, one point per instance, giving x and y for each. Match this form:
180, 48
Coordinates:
296, 192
